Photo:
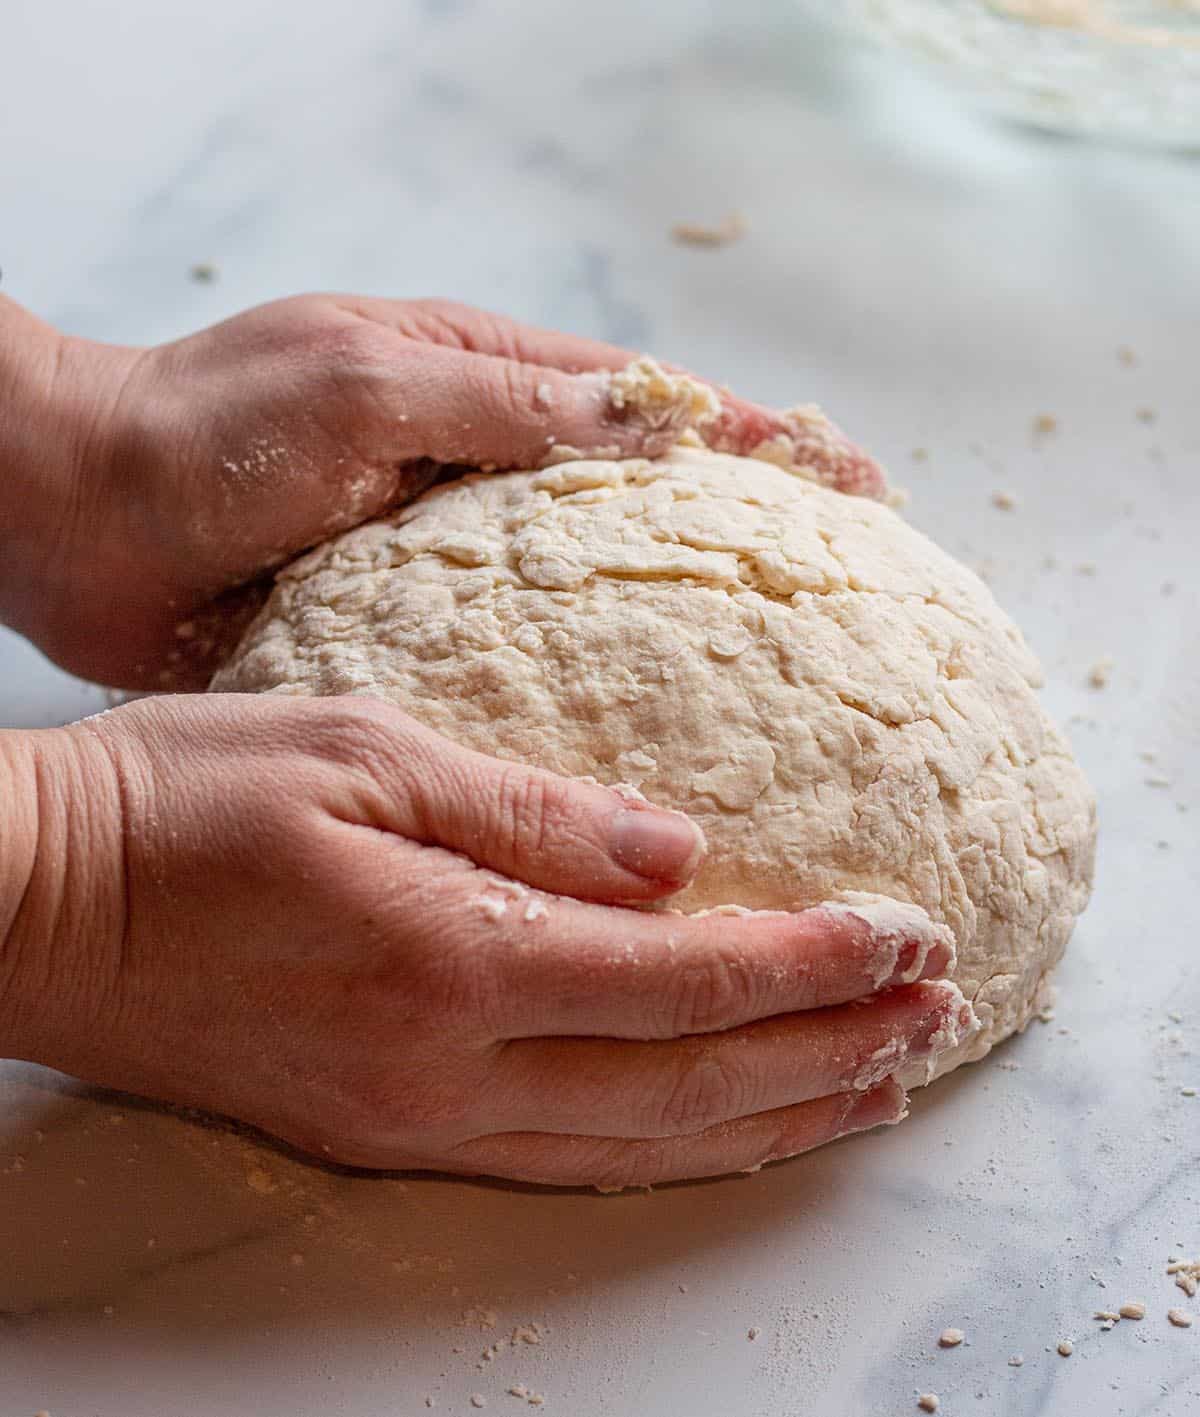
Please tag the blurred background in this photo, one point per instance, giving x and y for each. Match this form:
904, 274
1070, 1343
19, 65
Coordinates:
970, 231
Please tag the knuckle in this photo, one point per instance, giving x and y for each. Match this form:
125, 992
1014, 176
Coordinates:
619, 1166
359, 732
532, 809
705, 1090
711, 995
383, 1111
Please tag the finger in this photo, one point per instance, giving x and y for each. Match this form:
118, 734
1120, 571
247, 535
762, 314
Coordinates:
801, 438
561, 835
485, 411
562, 967
600, 1087
643, 976
741, 1145
456, 326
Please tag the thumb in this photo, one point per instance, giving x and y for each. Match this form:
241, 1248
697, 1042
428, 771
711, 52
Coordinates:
555, 833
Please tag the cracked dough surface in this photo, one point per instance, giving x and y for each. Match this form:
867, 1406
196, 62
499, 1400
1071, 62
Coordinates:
838, 703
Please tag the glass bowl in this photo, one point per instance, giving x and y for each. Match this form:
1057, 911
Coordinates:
1120, 68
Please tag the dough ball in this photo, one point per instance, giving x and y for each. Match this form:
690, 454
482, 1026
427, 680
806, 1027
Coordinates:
839, 704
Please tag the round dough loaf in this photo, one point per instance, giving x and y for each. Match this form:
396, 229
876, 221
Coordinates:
840, 705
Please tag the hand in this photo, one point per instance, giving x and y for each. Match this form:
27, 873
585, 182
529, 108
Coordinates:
195, 467
322, 918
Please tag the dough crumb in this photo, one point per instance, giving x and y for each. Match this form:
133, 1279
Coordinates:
1180, 1318
753, 1333
1126, 356
690, 233
1066, 1347
1100, 674
1017, 1360
1132, 1309
950, 1337
1005, 501
490, 907
1044, 424
647, 391
1186, 1273
478, 1400
485, 1318
929, 1402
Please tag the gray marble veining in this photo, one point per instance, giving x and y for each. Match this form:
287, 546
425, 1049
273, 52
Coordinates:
937, 283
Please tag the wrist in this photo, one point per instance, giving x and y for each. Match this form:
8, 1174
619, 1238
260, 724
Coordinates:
56, 398
61, 893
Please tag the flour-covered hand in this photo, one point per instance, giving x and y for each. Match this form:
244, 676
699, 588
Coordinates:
320, 917
146, 492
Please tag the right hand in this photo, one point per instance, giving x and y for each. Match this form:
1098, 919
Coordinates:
320, 917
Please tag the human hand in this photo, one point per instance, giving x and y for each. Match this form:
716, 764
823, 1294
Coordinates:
193, 468
320, 917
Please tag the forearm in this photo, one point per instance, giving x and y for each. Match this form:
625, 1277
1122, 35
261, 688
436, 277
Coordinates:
61, 899
50, 409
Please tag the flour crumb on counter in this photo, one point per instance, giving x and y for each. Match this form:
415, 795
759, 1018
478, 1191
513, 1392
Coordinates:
1044, 424
693, 233
929, 1402
484, 1318
1100, 674
1004, 501
1186, 1273
1017, 1360
1132, 1309
1065, 1347
1180, 1318
478, 1400
1126, 356
950, 1337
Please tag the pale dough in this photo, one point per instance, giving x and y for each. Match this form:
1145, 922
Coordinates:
840, 705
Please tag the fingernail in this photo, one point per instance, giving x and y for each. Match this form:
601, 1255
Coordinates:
926, 955
661, 846
883, 1105
948, 1024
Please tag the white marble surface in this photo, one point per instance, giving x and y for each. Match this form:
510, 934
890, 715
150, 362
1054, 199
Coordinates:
937, 284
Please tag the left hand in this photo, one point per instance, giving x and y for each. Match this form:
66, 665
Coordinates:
207, 462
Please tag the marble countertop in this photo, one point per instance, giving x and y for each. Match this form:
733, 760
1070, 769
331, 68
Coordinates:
938, 283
